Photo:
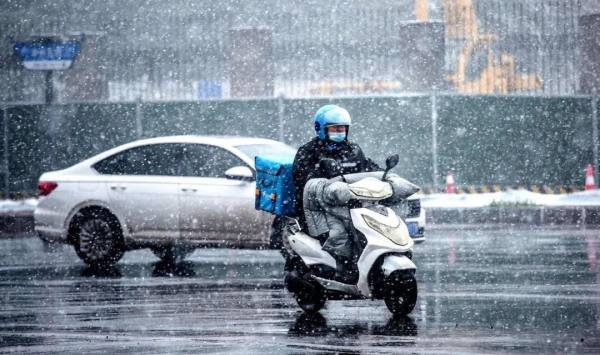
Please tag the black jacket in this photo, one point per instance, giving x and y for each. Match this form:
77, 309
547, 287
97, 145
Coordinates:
306, 165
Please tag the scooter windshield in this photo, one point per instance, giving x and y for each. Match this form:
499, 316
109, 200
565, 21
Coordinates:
371, 188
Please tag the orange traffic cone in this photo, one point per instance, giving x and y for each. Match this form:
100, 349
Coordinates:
450, 188
590, 184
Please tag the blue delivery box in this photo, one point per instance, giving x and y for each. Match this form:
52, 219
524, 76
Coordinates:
275, 191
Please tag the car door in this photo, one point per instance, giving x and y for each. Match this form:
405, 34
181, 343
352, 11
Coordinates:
213, 208
142, 188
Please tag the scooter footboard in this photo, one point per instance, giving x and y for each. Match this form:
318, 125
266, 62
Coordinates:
392, 263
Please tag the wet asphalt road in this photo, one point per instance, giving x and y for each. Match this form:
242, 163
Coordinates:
485, 291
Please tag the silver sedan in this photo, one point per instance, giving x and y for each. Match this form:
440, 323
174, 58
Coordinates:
171, 194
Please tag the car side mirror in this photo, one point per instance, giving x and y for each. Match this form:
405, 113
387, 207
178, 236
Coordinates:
242, 173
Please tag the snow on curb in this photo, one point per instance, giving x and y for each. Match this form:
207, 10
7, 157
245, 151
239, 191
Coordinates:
27, 205
507, 198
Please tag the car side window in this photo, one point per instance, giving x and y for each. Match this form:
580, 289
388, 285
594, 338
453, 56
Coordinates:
154, 159
195, 158
208, 161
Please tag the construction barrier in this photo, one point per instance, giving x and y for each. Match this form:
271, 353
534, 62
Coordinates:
543, 189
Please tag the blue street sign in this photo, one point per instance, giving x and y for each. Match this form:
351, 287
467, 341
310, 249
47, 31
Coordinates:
209, 89
47, 55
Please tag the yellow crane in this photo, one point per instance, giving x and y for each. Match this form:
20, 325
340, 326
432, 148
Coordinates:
498, 74
479, 69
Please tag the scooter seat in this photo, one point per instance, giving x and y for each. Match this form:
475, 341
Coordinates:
322, 238
295, 223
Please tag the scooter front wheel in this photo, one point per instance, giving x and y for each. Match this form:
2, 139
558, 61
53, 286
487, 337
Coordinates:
401, 292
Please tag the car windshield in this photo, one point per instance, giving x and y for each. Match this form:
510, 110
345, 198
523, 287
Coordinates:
252, 150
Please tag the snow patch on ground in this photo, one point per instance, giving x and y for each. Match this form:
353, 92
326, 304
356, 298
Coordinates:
18, 205
507, 198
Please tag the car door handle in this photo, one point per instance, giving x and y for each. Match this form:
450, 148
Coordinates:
189, 189
116, 187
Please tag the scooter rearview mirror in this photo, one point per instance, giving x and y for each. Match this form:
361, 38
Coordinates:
390, 162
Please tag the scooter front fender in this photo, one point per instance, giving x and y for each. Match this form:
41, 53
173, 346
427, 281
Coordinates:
393, 263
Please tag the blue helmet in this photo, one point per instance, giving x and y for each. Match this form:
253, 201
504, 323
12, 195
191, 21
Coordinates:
330, 115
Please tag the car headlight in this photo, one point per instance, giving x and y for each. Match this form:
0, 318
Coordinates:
396, 233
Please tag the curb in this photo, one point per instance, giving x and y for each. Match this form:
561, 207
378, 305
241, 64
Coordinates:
539, 216
16, 223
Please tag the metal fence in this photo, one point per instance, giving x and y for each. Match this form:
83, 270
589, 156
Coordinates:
181, 50
498, 140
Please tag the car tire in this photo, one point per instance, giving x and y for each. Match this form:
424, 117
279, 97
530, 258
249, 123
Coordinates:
97, 238
172, 254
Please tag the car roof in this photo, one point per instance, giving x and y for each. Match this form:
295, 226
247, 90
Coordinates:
228, 142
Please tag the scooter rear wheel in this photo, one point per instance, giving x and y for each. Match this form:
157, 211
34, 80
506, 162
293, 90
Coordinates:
311, 301
401, 292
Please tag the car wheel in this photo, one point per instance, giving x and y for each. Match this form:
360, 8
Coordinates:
98, 238
401, 292
172, 253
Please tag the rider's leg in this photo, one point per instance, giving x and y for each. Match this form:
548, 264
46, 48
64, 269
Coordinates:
340, 247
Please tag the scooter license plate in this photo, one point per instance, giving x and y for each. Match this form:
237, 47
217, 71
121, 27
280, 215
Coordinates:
413, 228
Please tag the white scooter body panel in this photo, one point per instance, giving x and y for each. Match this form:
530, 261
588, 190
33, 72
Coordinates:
310, 250
377, 244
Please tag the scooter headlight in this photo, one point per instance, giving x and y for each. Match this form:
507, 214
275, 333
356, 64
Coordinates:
397, 234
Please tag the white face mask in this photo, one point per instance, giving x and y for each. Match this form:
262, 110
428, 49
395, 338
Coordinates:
337, 137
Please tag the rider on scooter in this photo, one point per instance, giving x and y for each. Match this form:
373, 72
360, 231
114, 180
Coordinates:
331, 124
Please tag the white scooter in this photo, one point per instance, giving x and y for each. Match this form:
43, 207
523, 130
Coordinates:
385, 268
